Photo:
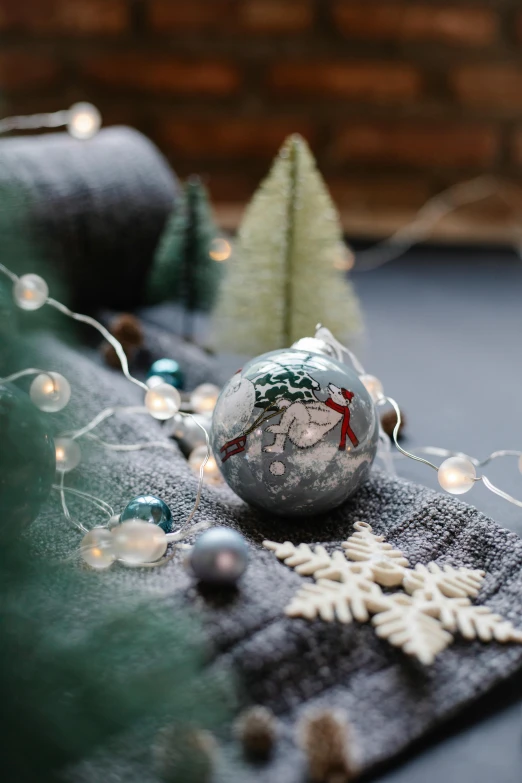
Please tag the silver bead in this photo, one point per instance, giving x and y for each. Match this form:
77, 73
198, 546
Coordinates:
219, 555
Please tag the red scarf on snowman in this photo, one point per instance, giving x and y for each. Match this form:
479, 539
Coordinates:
345, 411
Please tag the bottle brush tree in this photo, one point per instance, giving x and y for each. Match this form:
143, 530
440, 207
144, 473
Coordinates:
184, 269
288, 270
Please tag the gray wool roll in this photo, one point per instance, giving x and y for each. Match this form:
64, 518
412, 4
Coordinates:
90, 211
283, 663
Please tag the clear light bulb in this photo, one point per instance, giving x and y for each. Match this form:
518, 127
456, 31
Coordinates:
30, 292
373, 386
68, 454
211, 472
163, 401
84, 121
136, 542
220, 250
204, 397
50, 392
96, 548
457, 475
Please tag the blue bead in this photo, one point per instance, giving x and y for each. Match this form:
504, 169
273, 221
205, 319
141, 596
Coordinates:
150, 509
219, 555
169, 370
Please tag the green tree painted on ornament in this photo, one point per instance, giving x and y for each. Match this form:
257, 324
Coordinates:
277, 381
183, 269
288, 270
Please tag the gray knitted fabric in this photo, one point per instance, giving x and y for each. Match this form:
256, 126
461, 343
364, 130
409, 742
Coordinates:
290, 664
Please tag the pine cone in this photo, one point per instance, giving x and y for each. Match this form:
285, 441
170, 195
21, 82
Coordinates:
182, 753
256, 729
127, 329
389, 420
323, 735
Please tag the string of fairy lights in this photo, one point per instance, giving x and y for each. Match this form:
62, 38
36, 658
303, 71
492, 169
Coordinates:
134, 542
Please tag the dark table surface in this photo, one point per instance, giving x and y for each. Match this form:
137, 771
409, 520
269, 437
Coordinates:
444, 334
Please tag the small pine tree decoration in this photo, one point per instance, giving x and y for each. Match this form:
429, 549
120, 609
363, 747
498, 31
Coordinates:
183, 269
286, 273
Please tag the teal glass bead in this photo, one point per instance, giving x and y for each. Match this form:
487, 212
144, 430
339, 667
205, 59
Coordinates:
150, 509
27, 459
169, 371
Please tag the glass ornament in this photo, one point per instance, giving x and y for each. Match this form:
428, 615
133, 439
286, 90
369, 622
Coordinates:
50, 392
30, 292
84, 121
211, 472
457, 475
136, 542
162, 401
219, 555
97, 548
168, 370
27, 460
373, 386
149, 509
295, 432
68, 454
204, 397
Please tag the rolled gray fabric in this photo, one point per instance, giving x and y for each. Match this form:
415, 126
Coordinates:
91, 211
291, 664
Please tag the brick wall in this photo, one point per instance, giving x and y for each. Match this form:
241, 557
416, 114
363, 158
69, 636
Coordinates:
398, 98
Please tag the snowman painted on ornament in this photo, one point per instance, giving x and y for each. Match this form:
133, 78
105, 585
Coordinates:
306, 423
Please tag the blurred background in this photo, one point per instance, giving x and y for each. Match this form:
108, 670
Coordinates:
398, 98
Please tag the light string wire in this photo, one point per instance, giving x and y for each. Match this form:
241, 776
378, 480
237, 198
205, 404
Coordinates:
55, 119
432, 212
324, 334
185, 529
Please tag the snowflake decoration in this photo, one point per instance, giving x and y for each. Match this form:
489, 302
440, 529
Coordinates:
421, 620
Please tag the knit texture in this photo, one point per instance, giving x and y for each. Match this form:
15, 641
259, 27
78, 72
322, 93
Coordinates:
289, 664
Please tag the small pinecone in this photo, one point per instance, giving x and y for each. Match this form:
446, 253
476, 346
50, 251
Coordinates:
127, 329
324, 737
256, 729
389, 420
184, 754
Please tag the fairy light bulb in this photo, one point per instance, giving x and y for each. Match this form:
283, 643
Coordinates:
97, 548
30, 292
457, 475
211, 472
520, 464
373, 386
163, 401
84, 121
137, 542
220, 250
204, 397
50, 392
68, 454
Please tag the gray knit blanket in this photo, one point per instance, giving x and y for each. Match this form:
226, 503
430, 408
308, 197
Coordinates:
290, 664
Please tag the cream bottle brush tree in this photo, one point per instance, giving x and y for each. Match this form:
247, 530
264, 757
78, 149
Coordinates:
288, 270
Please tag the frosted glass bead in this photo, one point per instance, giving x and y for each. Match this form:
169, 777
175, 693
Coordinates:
204, 397
97, 549
219, 555
68, 454
162, 401
136, 542
373, 386
30, 292
50, 392
84, 121
457, 475
211, 472
188, 432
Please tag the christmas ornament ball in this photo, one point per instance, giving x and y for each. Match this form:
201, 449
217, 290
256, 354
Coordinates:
27, 459
295, 432
220, 555
168, 370
149, 509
